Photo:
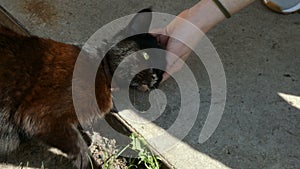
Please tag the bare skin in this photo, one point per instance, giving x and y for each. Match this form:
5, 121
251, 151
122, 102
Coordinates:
204, 15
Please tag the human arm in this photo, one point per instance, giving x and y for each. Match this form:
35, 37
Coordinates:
204, 15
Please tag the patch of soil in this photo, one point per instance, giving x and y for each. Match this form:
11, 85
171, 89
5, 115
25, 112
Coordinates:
104, 151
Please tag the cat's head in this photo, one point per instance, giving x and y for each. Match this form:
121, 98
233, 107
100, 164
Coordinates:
133, 52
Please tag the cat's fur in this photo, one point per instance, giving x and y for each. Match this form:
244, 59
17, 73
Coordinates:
126, 50
36, 93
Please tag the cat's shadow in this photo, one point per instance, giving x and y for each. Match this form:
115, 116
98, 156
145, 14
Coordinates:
34, 155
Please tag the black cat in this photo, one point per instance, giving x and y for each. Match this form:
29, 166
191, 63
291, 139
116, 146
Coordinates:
124, 50
36, 93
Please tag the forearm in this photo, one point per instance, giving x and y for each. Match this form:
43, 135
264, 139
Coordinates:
206, 13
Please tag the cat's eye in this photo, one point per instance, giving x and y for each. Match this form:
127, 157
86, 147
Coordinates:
146, 56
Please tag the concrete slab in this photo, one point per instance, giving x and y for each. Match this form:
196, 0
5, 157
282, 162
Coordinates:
259, 51
10, 22
174, 152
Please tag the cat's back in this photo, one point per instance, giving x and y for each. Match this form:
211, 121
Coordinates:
31, 63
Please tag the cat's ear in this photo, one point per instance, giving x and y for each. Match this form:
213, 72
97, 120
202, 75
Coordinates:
140, 22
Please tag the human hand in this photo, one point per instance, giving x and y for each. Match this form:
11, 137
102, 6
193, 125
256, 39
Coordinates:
181, 36
175, 37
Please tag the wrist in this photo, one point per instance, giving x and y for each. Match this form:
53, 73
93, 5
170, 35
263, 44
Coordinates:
204, 15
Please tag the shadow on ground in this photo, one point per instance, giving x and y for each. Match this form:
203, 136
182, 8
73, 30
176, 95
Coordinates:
35, 155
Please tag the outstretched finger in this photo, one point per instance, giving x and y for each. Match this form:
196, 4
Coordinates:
173, 69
